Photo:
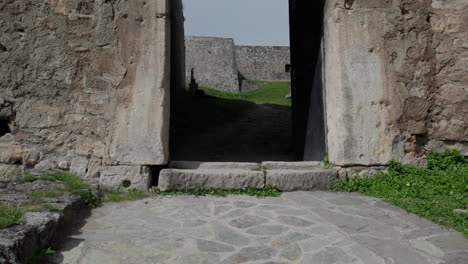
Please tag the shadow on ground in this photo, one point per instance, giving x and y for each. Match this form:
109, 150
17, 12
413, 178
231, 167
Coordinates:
206, 128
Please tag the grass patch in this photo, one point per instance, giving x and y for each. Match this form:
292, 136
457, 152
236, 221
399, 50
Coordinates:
73, 185
44, 193
273, 93
432, 192
10, 216
130, 195
268, 191
51, 208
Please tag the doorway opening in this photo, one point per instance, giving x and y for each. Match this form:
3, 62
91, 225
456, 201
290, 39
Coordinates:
246, 103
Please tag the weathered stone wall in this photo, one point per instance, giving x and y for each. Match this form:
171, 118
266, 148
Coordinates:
395, 78
214, 62
263, 63
83, 85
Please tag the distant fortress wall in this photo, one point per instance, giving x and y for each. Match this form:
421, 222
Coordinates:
264, 63
213, 61
221, 65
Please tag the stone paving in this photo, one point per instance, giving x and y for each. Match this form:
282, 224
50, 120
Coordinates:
298, 227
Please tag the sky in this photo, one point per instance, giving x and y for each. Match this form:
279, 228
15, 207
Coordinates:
249, 22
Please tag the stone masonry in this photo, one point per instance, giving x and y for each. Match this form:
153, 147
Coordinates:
264, 63
221, 65
85, 84
213, 61
83, 87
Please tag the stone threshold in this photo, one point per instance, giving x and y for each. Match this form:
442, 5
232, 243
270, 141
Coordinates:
285, 176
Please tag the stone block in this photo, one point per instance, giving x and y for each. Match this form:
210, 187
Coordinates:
30, 157
225, 179
453, 4
115, 177
364, 171
141, 134
9, 173
79, 166
213, 61
304, 180
281, 165
11, 154
192, 165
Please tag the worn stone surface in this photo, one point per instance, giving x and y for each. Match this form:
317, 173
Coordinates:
9, 173
19, 244
264, 63
116, 177
280, 165
399, 84
192, 165
92, 86
90, 80
293, 180
298, 227
141, 135
221, 65
213, 61
227, 179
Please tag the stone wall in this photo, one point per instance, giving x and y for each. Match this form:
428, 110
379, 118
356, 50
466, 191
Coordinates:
221, 65
395, 79
84, 84
214, 62
263, 63
83, 87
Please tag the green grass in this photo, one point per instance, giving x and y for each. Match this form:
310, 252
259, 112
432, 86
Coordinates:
130, 195
273, 93
44, 193
268, 191
327, 164
73, 185
10, 216
432, 192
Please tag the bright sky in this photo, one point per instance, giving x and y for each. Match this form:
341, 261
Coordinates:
249, 22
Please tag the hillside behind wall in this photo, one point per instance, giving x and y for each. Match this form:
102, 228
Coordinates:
83, 84
396, 79
263, 63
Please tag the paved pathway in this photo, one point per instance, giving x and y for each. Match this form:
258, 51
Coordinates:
299, 227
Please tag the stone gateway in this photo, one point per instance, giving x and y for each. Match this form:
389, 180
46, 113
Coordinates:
86, 85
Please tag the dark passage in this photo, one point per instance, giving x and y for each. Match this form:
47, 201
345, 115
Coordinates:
207, 128
306, 29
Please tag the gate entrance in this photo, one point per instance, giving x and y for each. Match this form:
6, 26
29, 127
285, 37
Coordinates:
211, 124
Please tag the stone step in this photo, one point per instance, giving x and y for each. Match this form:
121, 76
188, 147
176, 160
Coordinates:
224, 179
291, 165
192, 165
232, 176
301, 180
